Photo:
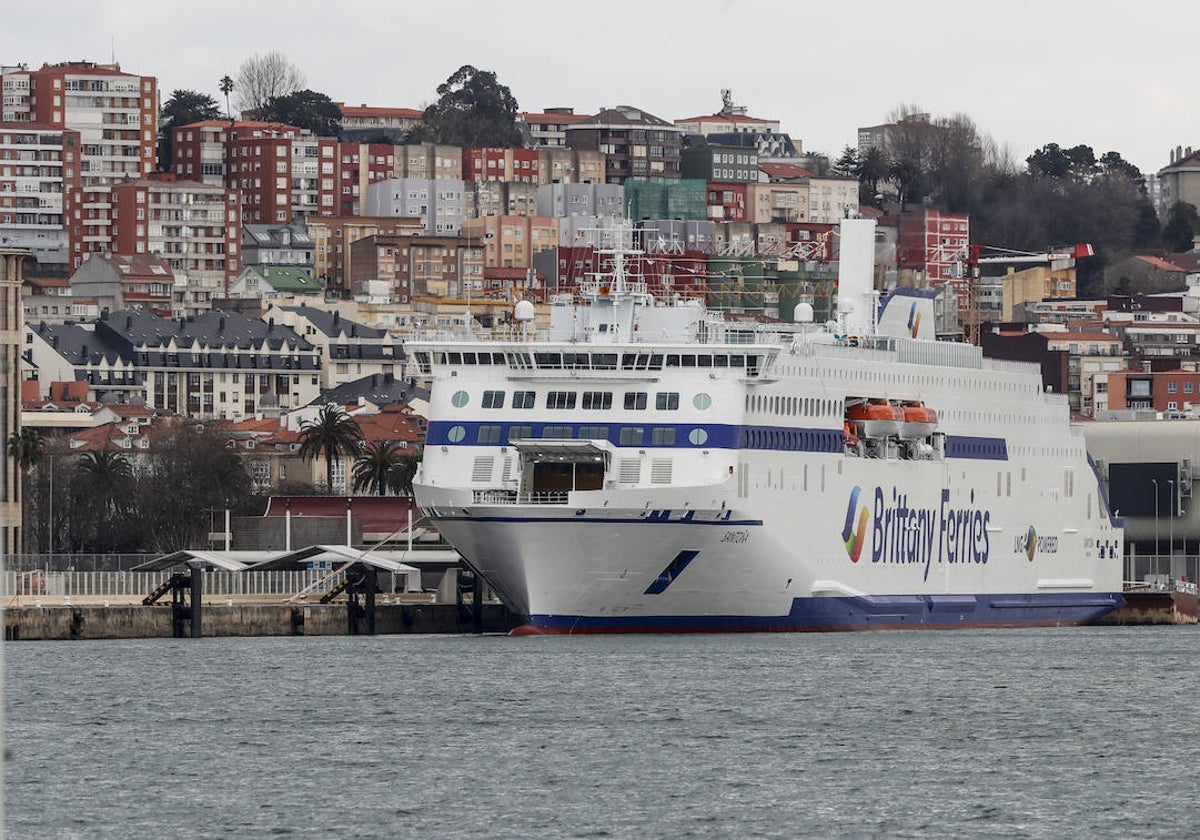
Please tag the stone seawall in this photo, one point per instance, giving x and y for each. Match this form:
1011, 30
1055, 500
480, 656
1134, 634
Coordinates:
139, 622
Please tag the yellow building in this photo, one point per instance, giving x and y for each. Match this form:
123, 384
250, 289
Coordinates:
10, 394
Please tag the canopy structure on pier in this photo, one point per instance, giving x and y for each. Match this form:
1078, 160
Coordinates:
225, 561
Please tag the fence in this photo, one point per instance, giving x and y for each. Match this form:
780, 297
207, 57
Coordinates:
77, 562
126, 586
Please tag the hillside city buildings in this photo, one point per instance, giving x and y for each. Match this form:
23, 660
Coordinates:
262, 269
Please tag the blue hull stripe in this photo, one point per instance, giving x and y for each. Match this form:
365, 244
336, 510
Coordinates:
864, 613
673, 570
686, 436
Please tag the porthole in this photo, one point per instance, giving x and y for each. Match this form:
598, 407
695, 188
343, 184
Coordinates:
456, 433
698, 437
702, 401
460, 399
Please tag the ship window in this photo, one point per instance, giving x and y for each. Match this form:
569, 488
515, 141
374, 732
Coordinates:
489, 434
702, 401
604, 361
632, 435
663, 436
704, 361
720, 361
557, 432
656, 361
460, 399
593, 432
456, 434
493, 399
635, 400
468, 358
688, 360
552, 361
523, 399
672, 360
666, 401
697, 437
519, 432
597, 400
737, 361
484, 358
454, 358
560, 399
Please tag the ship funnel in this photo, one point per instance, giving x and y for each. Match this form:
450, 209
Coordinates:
856, 276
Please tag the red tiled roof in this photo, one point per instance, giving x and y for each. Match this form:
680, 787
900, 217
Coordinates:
365, 110
724, 118
785, 170
1158, 262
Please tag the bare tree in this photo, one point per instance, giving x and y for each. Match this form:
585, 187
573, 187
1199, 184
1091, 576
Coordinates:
264, 76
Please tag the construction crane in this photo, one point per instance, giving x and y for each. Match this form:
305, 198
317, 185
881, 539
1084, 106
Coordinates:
978, 255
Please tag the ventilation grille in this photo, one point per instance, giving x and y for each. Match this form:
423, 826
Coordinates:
660, 471
630, 471
482, 471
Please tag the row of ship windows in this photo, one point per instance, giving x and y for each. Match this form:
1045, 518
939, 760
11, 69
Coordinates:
589, 361
626, 435
588, 400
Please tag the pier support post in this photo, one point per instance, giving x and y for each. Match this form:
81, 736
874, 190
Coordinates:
197, 598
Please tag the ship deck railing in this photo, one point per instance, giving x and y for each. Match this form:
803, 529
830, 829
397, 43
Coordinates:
513, 497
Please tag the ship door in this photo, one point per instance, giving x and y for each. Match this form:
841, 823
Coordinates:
551, 470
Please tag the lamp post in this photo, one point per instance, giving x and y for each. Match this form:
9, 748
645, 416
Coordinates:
1154, 481
1171, 526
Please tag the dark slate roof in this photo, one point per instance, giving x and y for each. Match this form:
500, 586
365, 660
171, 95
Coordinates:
212, 339
333, 324
381, 389
625, 115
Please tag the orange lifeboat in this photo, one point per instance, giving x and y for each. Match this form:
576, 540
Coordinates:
920, 421
876, 418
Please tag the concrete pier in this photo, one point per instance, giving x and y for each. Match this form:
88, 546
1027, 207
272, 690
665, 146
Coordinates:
126, 621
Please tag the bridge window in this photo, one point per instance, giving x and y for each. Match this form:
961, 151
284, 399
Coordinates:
493, 399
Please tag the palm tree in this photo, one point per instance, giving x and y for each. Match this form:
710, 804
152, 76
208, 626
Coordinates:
227, 88
375, 469
26, 447
332, 433
404, 472
103, 489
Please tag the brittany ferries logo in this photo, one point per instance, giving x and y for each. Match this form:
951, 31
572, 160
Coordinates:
1031, 541
854, 537
914, 320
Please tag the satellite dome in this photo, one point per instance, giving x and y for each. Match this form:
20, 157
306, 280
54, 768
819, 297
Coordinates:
803, 313
524, 311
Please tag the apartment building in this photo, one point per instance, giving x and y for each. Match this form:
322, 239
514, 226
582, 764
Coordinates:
195, 227
351, 350
512, 241
332, 237
281, 172
777, 202
364, 122
115, 113
39, 179
548, 129
637, 144
11, 267
715, 162
419, 266
438, 204
212, 366
491, 164
563, 200
499, 198
571, 166
141, 283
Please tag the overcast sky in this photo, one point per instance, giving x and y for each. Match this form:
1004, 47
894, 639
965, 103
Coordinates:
1109, 75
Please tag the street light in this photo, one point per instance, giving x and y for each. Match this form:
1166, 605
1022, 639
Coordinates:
1171, 525
1154, 481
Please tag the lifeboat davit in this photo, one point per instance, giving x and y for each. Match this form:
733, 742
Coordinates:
920, 421
876, 418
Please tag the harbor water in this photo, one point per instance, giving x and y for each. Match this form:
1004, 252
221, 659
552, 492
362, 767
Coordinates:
1074, 732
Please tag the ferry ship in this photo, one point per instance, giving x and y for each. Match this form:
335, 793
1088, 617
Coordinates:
648, 466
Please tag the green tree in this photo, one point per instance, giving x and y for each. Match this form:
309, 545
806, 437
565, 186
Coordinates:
473, 109
374, 471
873, 168
183, 108
227, 88
332, 433
26, 448
193, 472
405, 471
101, 502
846, 166
1182, 225
305, 109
